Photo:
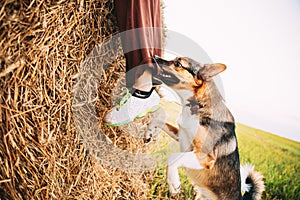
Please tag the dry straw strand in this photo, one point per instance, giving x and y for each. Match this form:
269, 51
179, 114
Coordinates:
42, 46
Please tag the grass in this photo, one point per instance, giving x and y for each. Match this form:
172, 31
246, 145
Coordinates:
276, 157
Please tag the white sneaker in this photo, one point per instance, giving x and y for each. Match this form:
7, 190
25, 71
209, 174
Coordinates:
132, 107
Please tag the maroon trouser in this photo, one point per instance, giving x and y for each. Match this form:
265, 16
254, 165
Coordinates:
140, 26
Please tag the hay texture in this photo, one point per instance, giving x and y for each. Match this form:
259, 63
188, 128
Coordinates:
43, 44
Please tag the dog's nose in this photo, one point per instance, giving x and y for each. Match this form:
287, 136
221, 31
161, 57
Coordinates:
156, 57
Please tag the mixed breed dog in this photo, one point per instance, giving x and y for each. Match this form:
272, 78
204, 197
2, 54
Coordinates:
206, 134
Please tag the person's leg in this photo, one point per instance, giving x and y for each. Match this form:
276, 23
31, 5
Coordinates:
144, 82
140, 27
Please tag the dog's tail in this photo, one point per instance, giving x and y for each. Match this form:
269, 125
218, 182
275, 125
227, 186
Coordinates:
252, 183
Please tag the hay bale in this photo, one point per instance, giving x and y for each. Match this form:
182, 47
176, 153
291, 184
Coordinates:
42, 46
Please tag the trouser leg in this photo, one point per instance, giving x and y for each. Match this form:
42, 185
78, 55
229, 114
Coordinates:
139, 22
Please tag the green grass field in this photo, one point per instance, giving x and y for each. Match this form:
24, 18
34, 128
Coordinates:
277, 158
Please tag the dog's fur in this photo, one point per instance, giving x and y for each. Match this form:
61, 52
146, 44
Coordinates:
209, 150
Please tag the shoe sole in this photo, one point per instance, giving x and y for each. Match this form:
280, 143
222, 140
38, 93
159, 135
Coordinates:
151, 110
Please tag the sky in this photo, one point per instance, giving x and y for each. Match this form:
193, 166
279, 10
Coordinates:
259, 41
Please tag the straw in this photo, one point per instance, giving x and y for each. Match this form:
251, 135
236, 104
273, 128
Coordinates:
42, 47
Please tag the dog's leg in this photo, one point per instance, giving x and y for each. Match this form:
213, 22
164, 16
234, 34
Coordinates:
160, 125
159, 122
158, 119
176, 160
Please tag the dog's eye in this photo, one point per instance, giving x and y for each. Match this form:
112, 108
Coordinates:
177, 64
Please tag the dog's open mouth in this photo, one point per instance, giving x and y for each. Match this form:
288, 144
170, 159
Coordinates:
167, 77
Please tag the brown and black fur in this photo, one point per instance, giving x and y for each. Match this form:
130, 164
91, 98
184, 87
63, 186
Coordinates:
215, 142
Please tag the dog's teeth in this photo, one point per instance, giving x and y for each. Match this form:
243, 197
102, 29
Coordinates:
166, 75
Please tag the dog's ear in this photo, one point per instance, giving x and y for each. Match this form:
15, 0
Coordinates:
209, 70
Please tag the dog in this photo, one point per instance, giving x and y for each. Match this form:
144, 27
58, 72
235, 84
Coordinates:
206, 134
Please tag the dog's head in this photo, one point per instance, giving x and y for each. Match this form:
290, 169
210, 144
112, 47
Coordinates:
185, 73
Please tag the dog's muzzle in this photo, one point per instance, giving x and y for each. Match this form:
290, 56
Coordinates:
161, 62
165, 76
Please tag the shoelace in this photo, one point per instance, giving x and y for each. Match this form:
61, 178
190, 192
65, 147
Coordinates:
124, 99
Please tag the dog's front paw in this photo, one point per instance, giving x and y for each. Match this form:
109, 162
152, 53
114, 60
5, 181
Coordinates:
152, 131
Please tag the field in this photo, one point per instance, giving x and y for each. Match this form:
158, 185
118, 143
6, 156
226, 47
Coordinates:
276, 157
